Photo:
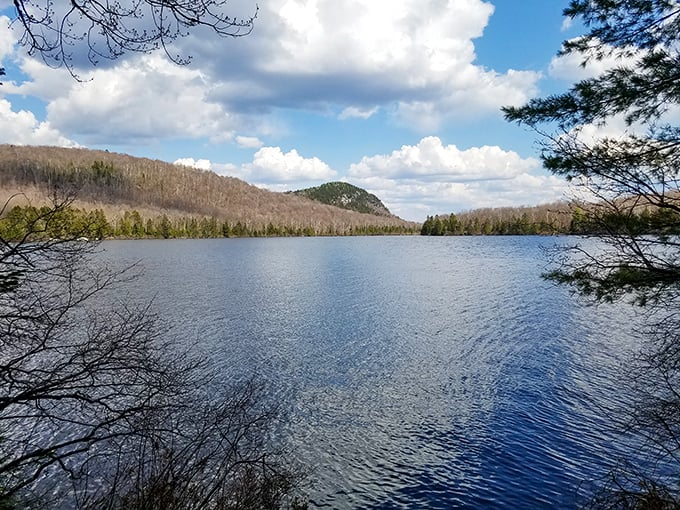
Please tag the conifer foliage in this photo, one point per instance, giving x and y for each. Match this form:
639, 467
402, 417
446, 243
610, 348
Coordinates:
628, 189
622, 175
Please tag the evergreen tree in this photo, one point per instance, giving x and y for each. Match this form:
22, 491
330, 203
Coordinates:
226, 229
164, 227
150, 229
426, 229
627, 175
98, 226
624, 173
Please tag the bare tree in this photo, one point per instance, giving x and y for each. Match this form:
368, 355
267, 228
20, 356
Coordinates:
59, 31
100, 408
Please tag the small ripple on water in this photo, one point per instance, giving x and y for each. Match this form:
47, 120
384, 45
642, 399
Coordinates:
419, 372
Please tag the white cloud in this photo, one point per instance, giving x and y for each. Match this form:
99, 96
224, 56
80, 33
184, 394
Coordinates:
249, 142
412, 58
22, 128
414, 181
431, 178
418, 56
567, 23
474, 93
48, 84
143, 98
202, 164
271, 165
382, 34
431, 160
414, 200
7, 39
353, 112
569, 67
614, 127
227, 169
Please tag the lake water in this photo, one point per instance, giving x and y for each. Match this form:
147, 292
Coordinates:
419, 372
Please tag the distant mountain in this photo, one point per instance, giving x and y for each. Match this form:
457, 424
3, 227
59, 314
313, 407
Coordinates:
118, 184
346, 196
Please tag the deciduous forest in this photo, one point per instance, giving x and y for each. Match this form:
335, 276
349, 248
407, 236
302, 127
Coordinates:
122, 196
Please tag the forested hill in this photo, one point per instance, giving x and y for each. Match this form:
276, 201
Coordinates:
119, 185
346, 196
595, 218
555, 218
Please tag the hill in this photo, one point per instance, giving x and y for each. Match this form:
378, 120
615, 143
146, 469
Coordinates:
119, 184
346, 196
635, 215
554, 218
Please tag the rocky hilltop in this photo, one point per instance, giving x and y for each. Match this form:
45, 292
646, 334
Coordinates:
346, 196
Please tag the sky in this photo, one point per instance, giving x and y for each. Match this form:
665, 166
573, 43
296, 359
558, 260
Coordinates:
399, 97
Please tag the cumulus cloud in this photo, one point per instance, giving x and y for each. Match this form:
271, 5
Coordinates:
418, 56
480, 92
272, 165
431, 160
414, 181
372, 35
142, 98
415, 200
22, 128
432, 178
137, 95
202, 164
412, 58
226, 169
615, 127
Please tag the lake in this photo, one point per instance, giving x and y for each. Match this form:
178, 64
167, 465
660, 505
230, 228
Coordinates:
418, 372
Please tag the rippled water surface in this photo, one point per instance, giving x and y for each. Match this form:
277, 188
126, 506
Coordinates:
419, 371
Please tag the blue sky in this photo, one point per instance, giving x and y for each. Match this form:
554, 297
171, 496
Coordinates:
399, 97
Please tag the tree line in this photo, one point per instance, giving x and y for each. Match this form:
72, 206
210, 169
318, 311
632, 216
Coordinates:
94, 225
538, 220
515, 225
561, 218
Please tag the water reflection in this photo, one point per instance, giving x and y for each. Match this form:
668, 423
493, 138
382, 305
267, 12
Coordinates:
417, 371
